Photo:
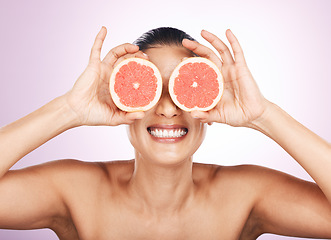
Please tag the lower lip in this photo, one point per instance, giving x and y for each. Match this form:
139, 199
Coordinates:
168, 140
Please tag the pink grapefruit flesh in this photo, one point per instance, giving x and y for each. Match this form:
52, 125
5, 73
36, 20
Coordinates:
196, 84
135, 85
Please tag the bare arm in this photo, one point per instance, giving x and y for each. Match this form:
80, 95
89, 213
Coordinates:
284, 205
290, 206
30, 198
26, 134
311, 151
87, 103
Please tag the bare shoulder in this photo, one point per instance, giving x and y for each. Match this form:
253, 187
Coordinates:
59, 171
249, 182
76, 174
252, 192
258, 191
77, 168
70, 169
241, 175
232, 182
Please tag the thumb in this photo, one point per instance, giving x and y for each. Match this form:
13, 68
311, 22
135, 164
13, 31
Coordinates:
202, 116
134, 115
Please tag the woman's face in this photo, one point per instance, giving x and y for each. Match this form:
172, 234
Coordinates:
166, 135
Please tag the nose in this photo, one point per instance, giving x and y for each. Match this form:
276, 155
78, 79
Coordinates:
166, 107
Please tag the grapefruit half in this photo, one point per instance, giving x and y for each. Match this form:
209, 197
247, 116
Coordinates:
135, 85
196, 84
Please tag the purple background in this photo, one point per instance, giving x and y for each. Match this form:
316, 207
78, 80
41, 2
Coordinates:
45, 46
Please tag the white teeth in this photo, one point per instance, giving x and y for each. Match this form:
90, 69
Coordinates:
166, 133
177, 133
171, 133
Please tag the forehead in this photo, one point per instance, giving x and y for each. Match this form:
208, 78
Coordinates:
166, 58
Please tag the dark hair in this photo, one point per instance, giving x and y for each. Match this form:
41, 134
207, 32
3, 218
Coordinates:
163, 36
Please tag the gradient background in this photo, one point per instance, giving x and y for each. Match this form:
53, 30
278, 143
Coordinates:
45, 46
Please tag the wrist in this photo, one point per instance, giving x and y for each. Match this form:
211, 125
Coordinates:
65, 116
263, 121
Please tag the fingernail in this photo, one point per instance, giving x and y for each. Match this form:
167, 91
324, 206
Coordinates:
204, 30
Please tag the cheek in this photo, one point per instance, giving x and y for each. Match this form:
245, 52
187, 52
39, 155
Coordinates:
199, 135
138, 135
133, 132
128, 132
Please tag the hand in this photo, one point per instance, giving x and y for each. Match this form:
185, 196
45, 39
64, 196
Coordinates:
241, 103
90, 97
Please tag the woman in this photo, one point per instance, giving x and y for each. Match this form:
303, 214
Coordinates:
161, 194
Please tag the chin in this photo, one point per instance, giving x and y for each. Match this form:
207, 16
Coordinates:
169, 160
166, 155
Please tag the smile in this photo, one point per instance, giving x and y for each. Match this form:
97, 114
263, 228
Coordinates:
166, 133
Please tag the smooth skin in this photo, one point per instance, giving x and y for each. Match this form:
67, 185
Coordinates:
162, 194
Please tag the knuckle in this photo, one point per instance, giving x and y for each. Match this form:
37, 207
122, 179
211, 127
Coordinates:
114, 54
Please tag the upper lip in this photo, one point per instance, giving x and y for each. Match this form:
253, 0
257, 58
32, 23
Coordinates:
168, 126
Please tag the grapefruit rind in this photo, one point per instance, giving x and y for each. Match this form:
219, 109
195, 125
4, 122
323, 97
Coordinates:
116, 98
175, 73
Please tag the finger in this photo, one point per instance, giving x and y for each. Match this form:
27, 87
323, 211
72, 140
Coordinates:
219, 45
96, 48
118, 52
202, 51
139, 54
236, 48
122, 117
207, 117
202, 116
135, 115
130, 117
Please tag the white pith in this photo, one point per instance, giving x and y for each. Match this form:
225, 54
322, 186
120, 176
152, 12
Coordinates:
167, 133
136, 85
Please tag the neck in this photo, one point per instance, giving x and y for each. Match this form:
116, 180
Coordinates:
162, 188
